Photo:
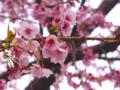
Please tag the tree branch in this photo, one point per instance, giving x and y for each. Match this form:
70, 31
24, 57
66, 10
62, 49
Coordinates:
79, 38
107, 5
110, 59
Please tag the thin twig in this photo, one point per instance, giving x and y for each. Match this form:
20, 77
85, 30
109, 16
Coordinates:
110, 59
18, 18
79, 38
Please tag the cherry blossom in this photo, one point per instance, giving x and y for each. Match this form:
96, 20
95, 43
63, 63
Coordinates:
22, 2
82, 13
57, 11
40, 12
18, 52
51, 2
32, 45
70, 16
19, 42
14, 75
55, 50
47, 53
9, 4
23, 61
63, 25
60, 55
51, 43
66, 29
28, 30
13, 70
87, 86
39, 72
57, 21
2, 84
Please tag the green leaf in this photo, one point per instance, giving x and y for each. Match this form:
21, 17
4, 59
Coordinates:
54, 29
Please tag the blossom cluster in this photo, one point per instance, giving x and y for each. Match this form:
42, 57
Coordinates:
27, 41
21, 50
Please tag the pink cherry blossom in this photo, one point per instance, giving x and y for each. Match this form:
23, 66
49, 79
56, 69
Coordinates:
57, 81
59, 55
44, 10
59, 15
23, 61
32, 45
39, 72
51, 43
82, 13
66, 29
24, 71
15, 75
2, 84
13, 70
22, 2
57, 21
87, 86
63, 69
70, 82
18, 52
50, 2
12, 85
40, 12
46, 23
57, 11
70, 16
47, 52
35, 7
8, 4
47, 72
98, 17
13, 14
28, 30
109, 76
87, 50
105, 24
19, 42
90, 77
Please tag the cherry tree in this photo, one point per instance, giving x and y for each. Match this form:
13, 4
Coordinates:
49, 59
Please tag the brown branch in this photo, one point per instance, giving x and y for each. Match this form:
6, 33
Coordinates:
18, 18
109, 59
89, 38
106, 6
79, 38
107, 40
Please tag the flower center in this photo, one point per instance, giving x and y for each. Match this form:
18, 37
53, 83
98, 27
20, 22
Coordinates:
51, 41
28, 31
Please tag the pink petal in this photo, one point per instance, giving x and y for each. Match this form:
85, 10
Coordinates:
59, 55
66, 29
51, 43
47, 72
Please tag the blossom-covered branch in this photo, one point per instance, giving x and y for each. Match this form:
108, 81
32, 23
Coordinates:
78, 38
55, 49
